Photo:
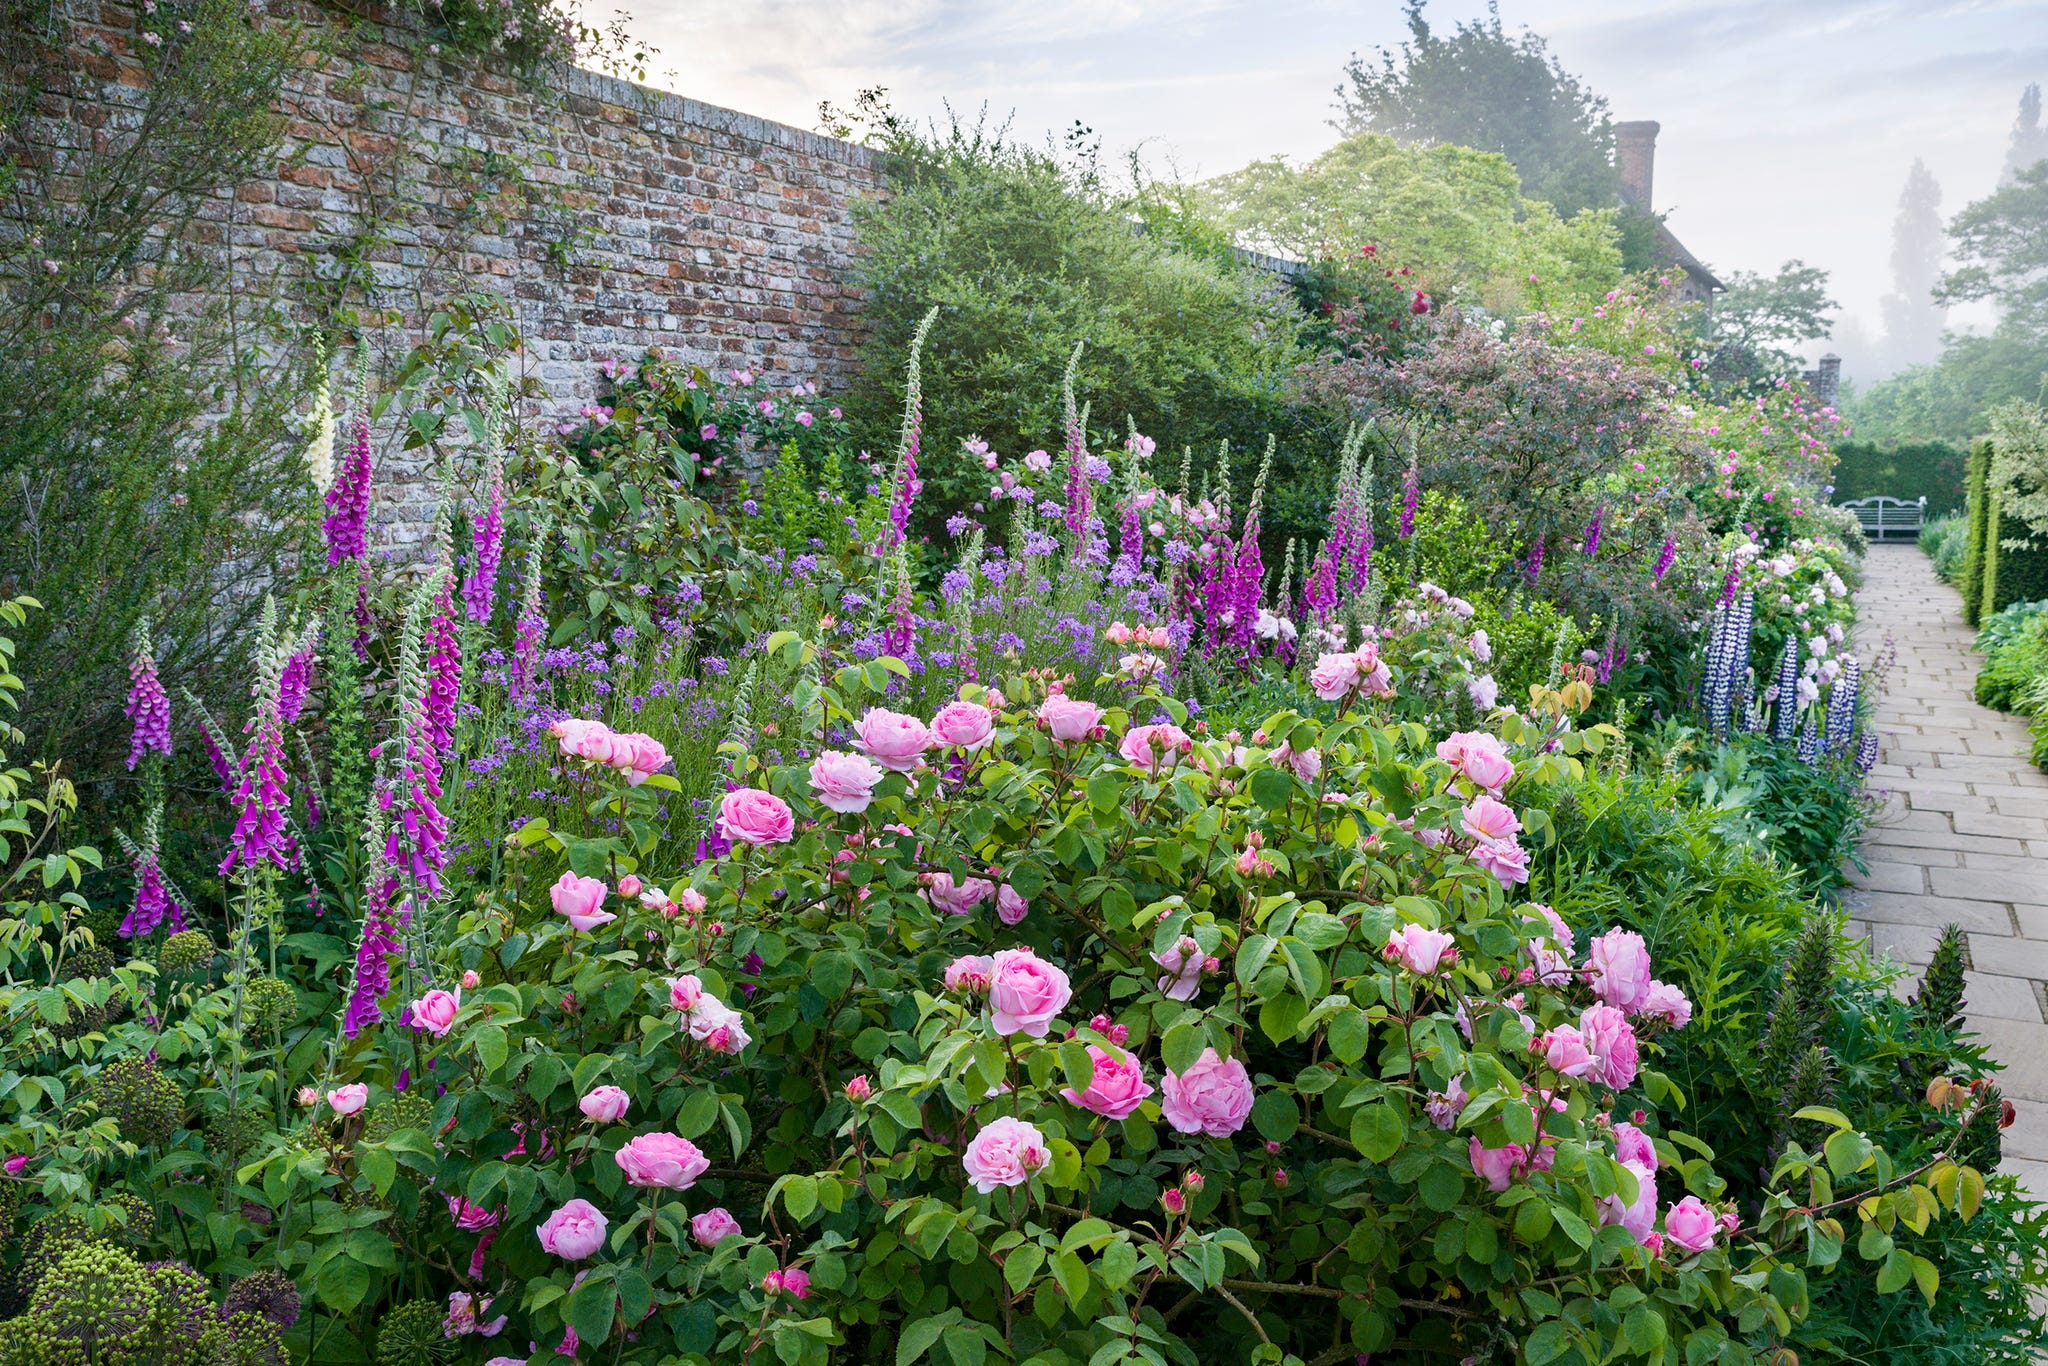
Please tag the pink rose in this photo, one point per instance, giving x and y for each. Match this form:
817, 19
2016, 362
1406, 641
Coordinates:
1565, 1050
692, 901
580, 899
1010, 907
958, 898
965, 725
641, 756
1184, 963
574, 1231
435, 1012
1633, 1145
685, 992
718, 1026
1507, 861
605, 1104
470, 981
1119, 1086
1421, 951
1025, 992
1068, 718
1662, 1001
1148, 746
1486, 818
844, 782
1306, 763
1612, 1042
1498, 1167
629, 886
714, 1226
1334, 675
1638, 1216
1621, 968
1691, 1225
969, 973
1444, 1107
797, 1283
350, 1099
751, 816
891, 739
663, 1160
592, 740
1479, 757
469, 1217
1005, 1153
1213, 1097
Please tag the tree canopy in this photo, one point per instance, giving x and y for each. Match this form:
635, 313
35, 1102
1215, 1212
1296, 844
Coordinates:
1480, 86
1757, 319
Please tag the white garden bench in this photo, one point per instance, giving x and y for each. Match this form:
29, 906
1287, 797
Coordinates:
1885, 518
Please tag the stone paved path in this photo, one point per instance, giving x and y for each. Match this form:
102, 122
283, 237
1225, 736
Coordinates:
1963, 835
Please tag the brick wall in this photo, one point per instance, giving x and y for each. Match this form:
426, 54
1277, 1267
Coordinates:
615, 217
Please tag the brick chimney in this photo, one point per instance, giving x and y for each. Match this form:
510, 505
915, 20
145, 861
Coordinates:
1635, 154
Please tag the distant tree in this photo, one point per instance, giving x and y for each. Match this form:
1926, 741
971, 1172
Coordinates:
1483, 87
2029, 139
1912, 319
2001, 247
1755, 321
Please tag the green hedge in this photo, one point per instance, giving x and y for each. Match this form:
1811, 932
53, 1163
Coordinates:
1977, 477
1995, 575
1930, 469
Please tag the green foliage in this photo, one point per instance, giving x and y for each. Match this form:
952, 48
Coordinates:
1979, 550
2014, 643
2008, 561
1910, 470
2001, 255
1480, 87
1943, 539
1938, 1004
1751, 336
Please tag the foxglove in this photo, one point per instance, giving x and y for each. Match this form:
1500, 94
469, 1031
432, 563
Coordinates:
149, 707
487, 544
259, 798
348, 500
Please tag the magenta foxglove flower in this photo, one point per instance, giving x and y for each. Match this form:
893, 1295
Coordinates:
383, 926
297, 679
259, 798
444, 669
149, 707
1664, 559
480, 589
348, 501
1411, 498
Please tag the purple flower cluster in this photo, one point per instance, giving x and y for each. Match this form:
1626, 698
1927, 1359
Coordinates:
1532, 569
1411, 497
154, 904
444, 669
1727, 667
297, 679
259, 798
149, 706
383, 927
1664, 559
1592, 545
480, 589
348, 517
1786, 695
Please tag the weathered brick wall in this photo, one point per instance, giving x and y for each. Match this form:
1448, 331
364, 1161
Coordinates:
614, 216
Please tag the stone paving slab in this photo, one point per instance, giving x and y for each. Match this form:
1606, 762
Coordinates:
1962, 835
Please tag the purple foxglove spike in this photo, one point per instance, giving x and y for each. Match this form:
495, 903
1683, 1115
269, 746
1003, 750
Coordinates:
149, 707
348, 501
444, 669
1664, 559
480, 590
1592, 546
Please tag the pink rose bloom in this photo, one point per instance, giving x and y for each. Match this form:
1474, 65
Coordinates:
592, 740
1560, 933
1691, 1225
1621, 968
714, 1226
1633, 1145
1638, 1216
1119, 1086
350, 1099
1378, 681
1444, 1107
17, 1164
642, 757
718, 1026
1068, 718
970, 973
751, 816
1485, 818
1612, 1042
1420, 950
958, 898
966, 725
574, 1231
1565, 1050
468, 1217
1148, 746
797, 1282
605, 1104
1183, 963
692, 901
1306, 763
1507, 861
435, 1012
844, 782
1498, 1167
1334, 675
1479, 757
1005, 1153
891, 739
685, 992
1662, 1001
581, 900
1011, 908
1213, 1097
663, 1160
1025, 992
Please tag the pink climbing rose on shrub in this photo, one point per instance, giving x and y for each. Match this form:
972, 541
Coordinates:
661, 1159
1421, 950
1213, 1097
1488, 819
1069, 719
891, 739
1005, 1153
1620, 964
1148, 746
1011, 907
958, 898
1118, 1088
574, 1231
969, 973
965, 725
714, 1226
1479, 757
580, 900
1691, 1225
1184, 963
435, 1012
844, 782
350, 1099
1612, 1042
1025, 992
751, 816
604, 1104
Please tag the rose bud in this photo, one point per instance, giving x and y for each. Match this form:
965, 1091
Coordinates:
1174, 1201
859, 1089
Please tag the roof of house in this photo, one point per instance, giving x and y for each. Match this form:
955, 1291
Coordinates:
1674, 250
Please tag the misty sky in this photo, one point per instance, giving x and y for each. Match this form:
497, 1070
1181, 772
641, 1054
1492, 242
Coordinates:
1788, 125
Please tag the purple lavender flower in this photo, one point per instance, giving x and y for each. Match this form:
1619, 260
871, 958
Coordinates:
149, 707
480, 590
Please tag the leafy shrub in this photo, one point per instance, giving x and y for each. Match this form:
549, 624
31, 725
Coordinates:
2014, 643
1944, 540
1909, 470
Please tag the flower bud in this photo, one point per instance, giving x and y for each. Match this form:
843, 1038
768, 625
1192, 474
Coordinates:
1280, 1177
1271, 1147
470, 981
859, 1089
1173, 1201
1192, 1183
629, 885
